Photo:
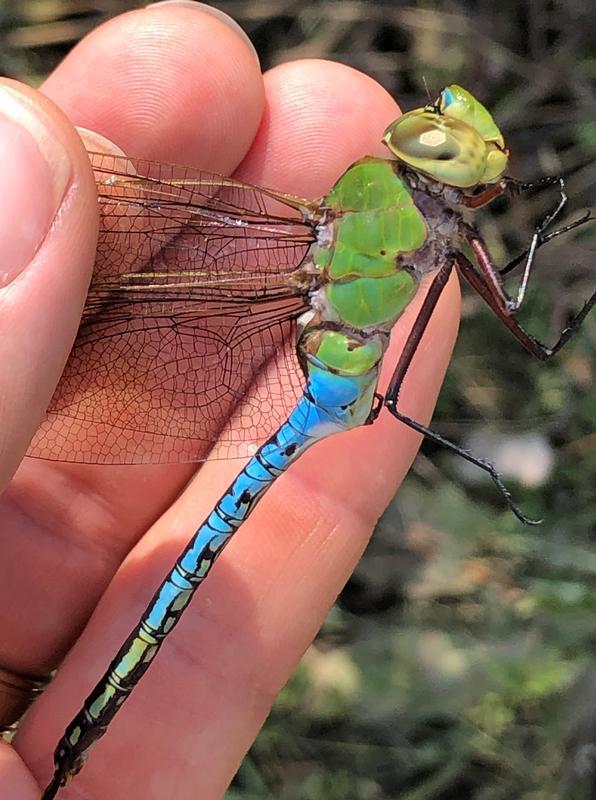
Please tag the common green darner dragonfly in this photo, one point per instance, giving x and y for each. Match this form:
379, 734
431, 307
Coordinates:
199, 284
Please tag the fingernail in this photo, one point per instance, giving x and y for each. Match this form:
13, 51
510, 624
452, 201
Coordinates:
35, 171
213, 12
96, 143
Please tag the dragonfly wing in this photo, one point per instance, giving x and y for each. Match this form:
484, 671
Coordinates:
190, 320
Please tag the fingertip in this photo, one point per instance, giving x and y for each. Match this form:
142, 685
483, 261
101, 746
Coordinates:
48, 231
16, 780
320, 116
168, 82
212, 11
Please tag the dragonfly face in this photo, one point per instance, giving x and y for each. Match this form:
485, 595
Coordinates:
454, 141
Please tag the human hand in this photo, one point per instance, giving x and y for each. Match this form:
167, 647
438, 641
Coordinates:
174, 83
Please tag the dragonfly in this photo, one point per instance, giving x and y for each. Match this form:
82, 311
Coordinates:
207, 291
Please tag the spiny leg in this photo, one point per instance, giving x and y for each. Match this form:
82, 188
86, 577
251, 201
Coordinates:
516, 186
532, 345
493, 274
392, 395
543, 239
486, 196
489, 192
539, 230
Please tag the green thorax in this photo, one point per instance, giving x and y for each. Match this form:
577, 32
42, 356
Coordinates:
374, 224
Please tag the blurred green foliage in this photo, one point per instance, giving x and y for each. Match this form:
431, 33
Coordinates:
459, 661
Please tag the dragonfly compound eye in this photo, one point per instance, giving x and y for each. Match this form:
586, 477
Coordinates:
458, 103
455, 140
446, 149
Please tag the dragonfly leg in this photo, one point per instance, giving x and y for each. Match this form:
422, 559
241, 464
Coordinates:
493, 275
532, 345
538, 232
543, 239
392, 395
476, 201
376, 408
517, 186
488, 194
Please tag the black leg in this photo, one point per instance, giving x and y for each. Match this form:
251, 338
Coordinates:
481, 463
493, 275
532, 345
502, 303
543, 239
546, 222
428, 306
516, 186
391, 398
539, 237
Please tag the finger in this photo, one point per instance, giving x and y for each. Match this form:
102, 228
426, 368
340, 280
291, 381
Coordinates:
215, 677
319, 118
16, 780
48, 228
170, 82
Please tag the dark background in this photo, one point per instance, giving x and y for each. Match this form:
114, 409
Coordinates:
459, 661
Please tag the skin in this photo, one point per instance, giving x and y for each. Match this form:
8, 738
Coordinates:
84, 547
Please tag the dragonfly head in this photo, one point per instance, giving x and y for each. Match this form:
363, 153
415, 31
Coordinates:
454, 140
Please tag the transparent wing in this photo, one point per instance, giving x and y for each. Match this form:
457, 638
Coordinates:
190, 320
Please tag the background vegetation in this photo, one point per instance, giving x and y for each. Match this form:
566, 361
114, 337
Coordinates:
459, 661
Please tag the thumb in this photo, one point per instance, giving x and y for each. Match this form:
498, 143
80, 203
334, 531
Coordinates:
48, 229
